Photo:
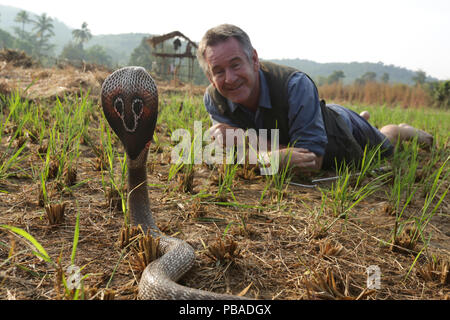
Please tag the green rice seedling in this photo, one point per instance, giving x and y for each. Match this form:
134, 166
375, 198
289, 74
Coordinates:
185, 157
121, 185
43, 176
405, 164
426, 176
340, 192
181, 112
404, 237
13, 155
370, 163
67, 127
414, 263
227, 174
7, 163
345, 194
428, 210
73, 281
174, 169
187, 178
399, 226
114, 184
185, 164
14, 109
280, 179
403, 190
38, 250
322, 224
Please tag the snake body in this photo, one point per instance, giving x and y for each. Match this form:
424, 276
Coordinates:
130, 104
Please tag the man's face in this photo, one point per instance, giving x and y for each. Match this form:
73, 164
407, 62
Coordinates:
232, 74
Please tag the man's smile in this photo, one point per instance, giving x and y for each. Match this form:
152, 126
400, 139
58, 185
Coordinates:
234, 87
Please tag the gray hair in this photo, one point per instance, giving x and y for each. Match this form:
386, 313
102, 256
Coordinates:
221, 34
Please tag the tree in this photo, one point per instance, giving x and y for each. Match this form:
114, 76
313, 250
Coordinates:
142, 56
369, 77
72, 51
336, 76
97, 54
82, 35
385, 77
441, 94
420, 77
6, 40
321, 80
24, 18
43, 26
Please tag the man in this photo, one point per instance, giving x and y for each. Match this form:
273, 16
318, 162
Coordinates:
246, 93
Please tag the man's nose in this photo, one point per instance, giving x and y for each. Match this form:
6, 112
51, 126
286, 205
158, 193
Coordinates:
230, 75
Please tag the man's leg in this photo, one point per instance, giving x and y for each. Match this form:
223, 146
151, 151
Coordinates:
405, 132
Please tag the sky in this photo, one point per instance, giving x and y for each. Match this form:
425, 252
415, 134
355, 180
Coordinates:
414, 34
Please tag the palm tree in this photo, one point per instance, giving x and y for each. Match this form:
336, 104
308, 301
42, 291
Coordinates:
24, 18
82, 35
43, 24
44, 31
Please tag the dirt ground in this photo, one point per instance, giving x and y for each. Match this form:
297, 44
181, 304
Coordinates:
280, 251
18, 71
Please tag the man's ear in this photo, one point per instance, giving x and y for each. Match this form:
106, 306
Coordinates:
208, 75
255, 60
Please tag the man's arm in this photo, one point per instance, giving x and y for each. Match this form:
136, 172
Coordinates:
300, 159
306, 128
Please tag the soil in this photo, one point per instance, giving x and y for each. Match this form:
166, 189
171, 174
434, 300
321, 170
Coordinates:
280, 248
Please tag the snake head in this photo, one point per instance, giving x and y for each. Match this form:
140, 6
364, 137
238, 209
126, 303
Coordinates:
130, 104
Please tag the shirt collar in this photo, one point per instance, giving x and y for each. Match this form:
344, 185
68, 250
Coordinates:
264, 96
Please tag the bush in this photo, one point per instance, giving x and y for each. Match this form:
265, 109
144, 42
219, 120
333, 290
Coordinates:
441, 94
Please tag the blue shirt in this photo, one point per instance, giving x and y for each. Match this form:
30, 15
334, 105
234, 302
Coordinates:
306, 128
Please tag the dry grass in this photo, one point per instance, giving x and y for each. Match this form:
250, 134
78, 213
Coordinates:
276, 251
267, 248
375, 93
274, 248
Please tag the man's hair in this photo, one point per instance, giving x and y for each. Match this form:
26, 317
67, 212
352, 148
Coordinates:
221, 34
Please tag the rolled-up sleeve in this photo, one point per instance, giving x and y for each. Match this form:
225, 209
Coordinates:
306, 127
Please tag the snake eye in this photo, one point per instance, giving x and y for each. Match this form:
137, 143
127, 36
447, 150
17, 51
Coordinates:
118, 106
137, 107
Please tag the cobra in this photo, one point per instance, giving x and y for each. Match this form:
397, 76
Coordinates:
129, 100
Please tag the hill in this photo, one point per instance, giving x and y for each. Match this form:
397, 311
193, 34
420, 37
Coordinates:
120, 47
63, 33
352, 70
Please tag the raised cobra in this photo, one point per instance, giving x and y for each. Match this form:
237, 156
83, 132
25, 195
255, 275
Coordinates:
130, 104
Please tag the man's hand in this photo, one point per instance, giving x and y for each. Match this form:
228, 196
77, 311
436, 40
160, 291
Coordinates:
300, 159
218, 133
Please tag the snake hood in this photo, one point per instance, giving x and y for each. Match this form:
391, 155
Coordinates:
130, 104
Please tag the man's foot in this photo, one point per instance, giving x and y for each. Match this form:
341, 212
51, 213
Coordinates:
423, 138
365, 114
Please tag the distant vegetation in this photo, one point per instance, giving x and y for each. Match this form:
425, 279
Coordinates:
355, 71
47, 40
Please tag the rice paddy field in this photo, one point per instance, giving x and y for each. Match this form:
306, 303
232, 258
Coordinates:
367, 234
